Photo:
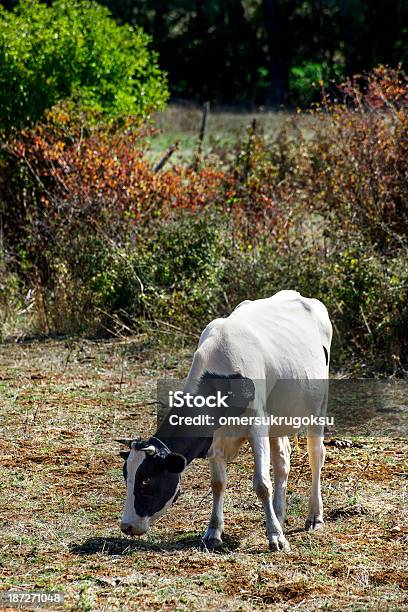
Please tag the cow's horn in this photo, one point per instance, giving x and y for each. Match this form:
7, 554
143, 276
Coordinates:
125, 441
150, 450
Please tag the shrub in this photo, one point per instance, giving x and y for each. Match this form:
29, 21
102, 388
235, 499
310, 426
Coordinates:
73, 49
12, 304
353, 170
59, 181
103, 241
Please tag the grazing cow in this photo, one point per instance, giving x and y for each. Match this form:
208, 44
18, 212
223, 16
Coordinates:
282, 338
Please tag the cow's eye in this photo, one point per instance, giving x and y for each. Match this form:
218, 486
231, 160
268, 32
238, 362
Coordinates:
145, 486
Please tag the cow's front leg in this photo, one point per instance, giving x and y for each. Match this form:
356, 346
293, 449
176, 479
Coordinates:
280, 451
316, 452
263, 488
213, 535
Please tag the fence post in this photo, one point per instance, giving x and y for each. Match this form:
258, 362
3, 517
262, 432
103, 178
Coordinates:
248, 150
201, 136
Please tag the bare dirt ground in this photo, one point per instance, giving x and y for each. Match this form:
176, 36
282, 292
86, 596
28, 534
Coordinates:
62, 492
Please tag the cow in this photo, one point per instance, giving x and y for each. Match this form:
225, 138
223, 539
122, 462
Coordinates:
285, 337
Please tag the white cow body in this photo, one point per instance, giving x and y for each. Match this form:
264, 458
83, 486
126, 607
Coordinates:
281, 337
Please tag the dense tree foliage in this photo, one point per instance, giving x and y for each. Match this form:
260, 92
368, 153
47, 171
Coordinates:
267, 51
73, 49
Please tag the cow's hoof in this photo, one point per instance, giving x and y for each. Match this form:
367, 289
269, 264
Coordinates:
314, 524
210, 544
279, 543
211, 539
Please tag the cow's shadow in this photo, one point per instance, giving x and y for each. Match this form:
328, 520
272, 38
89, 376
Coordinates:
124, 546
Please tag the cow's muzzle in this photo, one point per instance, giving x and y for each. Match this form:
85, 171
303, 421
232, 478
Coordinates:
131, 530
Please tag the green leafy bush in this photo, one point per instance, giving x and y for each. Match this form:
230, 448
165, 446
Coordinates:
181, 266
74, 49
306, 80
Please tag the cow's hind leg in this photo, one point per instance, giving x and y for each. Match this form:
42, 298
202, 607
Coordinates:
263, 488
280, 451
213, 535
317, 452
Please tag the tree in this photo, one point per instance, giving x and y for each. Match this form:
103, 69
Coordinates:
276, 36
73, 49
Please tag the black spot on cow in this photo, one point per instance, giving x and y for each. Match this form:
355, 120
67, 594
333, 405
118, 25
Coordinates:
236, 392
157, 481
240, 389
125, 456
306, 305
157, 478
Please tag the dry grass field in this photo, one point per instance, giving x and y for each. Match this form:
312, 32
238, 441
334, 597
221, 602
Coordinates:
225, 129
62, 403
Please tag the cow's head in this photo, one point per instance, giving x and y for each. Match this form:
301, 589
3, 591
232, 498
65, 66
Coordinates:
152, 475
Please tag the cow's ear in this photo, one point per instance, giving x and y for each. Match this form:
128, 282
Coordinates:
175, 463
